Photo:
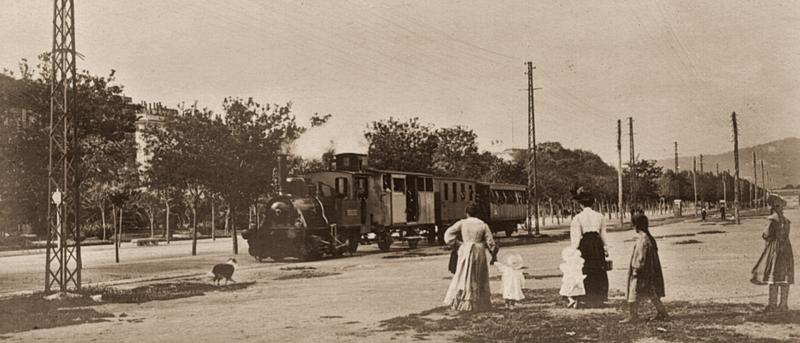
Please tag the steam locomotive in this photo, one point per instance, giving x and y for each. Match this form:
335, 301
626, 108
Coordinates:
331, 212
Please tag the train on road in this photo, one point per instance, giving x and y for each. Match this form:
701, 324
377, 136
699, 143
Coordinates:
332, 212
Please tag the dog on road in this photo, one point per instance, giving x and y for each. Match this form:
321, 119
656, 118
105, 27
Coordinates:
224, 271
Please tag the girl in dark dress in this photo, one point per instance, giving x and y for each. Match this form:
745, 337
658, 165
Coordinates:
776, 265
645, 279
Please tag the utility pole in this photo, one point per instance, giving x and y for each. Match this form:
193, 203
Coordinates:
694, 182
632, 165
533, 198
754, 195
764, 183
619, 175
63, 252
736, 191
676, 158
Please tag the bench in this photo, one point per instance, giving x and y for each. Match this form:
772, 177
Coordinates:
145, 241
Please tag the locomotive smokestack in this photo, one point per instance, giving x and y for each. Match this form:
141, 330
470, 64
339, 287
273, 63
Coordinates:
281, 173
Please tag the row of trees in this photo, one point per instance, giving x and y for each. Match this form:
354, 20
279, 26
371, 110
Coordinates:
411, 145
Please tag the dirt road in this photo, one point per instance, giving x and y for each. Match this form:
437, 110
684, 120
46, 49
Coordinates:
352, 295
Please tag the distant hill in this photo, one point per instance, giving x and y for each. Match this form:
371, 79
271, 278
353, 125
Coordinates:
781, 160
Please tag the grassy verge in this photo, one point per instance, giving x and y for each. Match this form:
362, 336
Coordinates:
543, 318
33, 311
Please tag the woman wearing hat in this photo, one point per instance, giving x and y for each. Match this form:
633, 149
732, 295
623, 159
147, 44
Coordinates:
588, 234
469, 288
776, 265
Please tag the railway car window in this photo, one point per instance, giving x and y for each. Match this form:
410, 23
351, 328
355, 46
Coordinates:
428, 184
446, 191
420, 184
495, 197
471, 193
399, 184
343, 186
387, 183
455, 192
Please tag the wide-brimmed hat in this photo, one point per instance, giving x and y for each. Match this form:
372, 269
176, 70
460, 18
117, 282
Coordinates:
774, 199
514, 261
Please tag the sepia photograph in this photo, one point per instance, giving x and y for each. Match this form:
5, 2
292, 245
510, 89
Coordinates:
399, 171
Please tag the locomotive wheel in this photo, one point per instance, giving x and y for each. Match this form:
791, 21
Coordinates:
312, 248
412, 243
510, 231
384, 241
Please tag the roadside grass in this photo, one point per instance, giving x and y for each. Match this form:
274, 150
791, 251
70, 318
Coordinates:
161, 291
305, 274
541, 317
688, 241
711, 232
33, 311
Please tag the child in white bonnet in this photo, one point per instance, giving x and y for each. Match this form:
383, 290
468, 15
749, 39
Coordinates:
572, 280
513, 279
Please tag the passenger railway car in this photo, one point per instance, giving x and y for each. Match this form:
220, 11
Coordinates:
351, 200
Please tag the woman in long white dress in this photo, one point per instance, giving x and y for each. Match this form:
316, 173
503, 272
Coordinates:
469, 289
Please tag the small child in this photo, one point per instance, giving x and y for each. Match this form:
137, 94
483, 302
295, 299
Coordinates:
572, 280
513, 279
645, 278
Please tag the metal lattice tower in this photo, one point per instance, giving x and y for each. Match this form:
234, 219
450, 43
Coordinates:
63, 211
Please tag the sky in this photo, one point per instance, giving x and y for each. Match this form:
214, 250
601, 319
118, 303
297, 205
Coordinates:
678, 68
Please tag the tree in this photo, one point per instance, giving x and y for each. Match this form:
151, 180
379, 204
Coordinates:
257, 135
397, 145
106, 124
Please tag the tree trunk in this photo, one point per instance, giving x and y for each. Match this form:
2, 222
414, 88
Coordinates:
227, 220
116, 237
152, 217
103, 220
194, 227
166, 226
119, 236
213, 221
233, 235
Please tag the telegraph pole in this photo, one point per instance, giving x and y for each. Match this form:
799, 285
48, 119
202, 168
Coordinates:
533, 198
754, 195
63, 252
694, 182
676, 158
701, 164
632, 165
736, 191
764, 183
619, 175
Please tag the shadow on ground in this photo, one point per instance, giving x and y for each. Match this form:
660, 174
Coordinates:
541, 317
33, 312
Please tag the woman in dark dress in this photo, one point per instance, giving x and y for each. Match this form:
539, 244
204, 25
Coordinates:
588, 234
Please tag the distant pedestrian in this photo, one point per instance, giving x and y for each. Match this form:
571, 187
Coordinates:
703, 213
513, 279
469, 288
775, 267
572, 276
645, 279
588, 234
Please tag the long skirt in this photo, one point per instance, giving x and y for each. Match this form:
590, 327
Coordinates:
776, 264
469, 288
594, 267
